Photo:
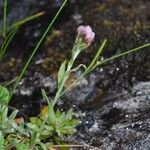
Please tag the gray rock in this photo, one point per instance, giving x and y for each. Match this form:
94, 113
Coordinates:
122, 123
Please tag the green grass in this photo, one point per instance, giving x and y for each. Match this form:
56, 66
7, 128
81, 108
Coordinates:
123, 54
4, 30
12, 30
36, 48
9, 33
7, 41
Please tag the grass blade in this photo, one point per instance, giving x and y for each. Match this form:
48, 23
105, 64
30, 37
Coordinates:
123, 54
23, 21
36, 48
7, 42
4, 30
97, 56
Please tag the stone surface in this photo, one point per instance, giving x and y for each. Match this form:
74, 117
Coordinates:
121, 123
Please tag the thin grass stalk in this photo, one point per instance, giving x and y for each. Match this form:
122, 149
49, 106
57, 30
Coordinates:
6, 39
23, 21
123, 54
4, 42
12, 31
36, 48
4, 47
4, 30
97, 56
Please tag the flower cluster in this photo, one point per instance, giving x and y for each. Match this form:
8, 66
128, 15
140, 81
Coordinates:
86, 33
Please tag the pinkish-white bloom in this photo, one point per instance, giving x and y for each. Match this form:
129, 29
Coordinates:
87, 33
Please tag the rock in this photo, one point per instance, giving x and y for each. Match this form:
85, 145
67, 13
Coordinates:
122, 123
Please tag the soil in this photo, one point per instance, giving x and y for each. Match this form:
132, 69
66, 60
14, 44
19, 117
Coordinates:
112, 101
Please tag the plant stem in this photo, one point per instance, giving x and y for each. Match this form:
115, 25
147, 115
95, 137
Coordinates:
7, 83
7, 42
89, 69
75, 52
69, 67
59, 91
4, 19
102, 62
27, 19
23, 21
97, 56
123, 54
36, 48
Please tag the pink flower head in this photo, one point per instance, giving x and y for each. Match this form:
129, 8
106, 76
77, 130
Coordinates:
87, 33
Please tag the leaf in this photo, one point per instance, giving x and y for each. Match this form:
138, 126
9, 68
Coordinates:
36, 120
22, 146
23, 21
63, 123
49, 110
1, 141
13, 115
43, 146
49, 128
46, 97
27, 19
33, 127
4, 95
20, 129
61, 73
78, 67
51, 115
97, 56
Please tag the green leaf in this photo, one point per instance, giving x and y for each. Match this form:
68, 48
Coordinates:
22, 146
78, 67
23, 131
51, 116
36, 120
33, 127
62, 123
4, 95
46, 97
25, 20
1, 141
61, 73
43, 146
13, 115
97, 57
49, 128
